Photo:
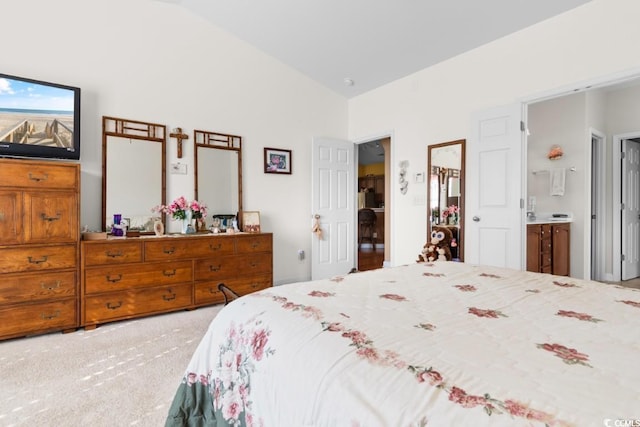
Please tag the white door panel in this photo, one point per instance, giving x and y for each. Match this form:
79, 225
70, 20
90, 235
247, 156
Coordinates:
631, 211
494, 217
334, 201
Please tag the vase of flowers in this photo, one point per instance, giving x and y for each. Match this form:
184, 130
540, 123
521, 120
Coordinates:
181, 209
199, 213
450, 215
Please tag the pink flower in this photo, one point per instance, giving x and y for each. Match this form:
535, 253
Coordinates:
466, 288
631, 303
334, 327
579, 316
258, 343
494, 314
568, 355
192, 378
461, 397
368, 353
565, 285
520, 410
433, 377
393, 297
358, 338
320, 294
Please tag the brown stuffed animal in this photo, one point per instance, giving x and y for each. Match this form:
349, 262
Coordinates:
438, 248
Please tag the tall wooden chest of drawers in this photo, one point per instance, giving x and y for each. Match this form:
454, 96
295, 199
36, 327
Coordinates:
124, 278
39, 246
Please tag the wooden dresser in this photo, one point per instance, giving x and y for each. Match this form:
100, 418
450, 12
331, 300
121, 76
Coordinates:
39, 246
124, 278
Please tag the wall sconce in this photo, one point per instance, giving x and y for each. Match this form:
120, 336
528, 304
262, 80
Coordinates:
404, 184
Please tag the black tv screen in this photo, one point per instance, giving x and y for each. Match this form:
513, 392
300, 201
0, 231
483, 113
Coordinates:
39, 119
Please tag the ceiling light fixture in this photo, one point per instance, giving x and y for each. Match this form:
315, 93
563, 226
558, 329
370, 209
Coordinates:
348, 81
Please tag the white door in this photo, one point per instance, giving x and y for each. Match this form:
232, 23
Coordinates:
631, 209
334, 202
493, 218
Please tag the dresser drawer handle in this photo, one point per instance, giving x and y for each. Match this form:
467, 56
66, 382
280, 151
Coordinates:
255, 285
216, 247
114, 306
42, 177
169, 273
50, 316
51, 218
56, 285
169, 297
44, 258
114, 279
114, 254
214, 267
253, 264
168, 251
255, 245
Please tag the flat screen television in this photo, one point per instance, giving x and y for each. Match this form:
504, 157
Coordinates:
39, 119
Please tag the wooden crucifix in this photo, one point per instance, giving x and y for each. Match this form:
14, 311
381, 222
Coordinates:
177, 134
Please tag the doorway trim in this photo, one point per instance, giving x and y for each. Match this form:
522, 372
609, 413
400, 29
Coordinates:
600, 82
616, 208
595, 254
389, 194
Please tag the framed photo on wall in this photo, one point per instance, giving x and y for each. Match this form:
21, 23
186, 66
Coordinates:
250, 221
277, 160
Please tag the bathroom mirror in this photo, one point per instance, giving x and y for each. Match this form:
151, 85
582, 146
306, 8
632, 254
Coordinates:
133, 172
445, 192
218, 172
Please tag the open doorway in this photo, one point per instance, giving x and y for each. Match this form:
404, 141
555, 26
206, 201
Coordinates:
374, 204
592, 159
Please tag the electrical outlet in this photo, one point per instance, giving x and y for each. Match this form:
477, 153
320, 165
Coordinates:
178, 169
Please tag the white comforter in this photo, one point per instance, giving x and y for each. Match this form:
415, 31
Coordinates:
442, 344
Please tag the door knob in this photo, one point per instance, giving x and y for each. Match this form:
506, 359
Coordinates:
476, 218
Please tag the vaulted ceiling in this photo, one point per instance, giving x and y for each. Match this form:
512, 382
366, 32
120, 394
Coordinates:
353, 46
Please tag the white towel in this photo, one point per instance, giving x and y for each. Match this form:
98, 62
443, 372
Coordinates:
557, 178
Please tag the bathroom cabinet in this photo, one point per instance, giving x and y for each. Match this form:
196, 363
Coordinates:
548, 248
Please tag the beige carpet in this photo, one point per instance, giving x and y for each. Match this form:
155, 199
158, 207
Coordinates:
120, 374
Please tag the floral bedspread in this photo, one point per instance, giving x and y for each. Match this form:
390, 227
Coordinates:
428, 344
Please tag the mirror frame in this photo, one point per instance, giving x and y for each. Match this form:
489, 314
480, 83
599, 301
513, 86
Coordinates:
132, 129
461, 206
218, 141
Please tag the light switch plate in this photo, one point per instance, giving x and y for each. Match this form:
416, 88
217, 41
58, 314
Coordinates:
178, 169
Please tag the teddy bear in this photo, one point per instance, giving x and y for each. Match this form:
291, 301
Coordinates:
438, 248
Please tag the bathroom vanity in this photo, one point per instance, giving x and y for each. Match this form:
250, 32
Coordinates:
548, 246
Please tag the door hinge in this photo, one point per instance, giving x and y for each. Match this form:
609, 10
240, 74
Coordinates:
621, 206
522, 128
521, 203
622, 155
623, 257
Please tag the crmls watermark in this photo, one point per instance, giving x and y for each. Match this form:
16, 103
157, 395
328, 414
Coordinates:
622, 423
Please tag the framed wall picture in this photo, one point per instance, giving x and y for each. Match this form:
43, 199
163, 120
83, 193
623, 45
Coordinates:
277, 160
250, 221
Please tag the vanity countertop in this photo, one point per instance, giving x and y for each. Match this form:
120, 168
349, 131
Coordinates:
548, 218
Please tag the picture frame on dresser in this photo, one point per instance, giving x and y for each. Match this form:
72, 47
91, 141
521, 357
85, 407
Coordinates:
250, 221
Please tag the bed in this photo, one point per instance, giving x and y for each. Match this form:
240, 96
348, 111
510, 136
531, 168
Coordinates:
436, 344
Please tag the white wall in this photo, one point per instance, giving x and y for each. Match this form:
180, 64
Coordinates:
435, 104
154, 61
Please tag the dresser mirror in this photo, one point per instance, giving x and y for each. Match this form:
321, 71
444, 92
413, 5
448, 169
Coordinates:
133, 172
445, 192
218, 175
